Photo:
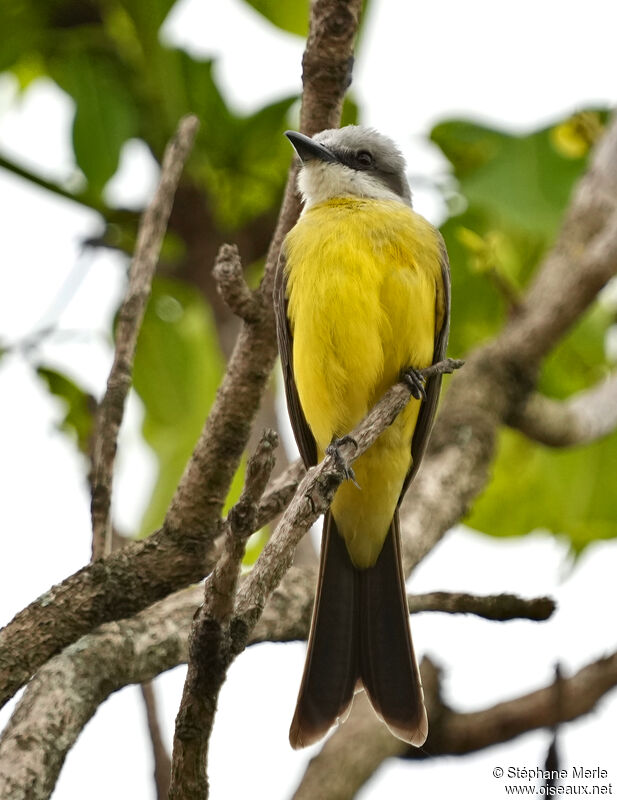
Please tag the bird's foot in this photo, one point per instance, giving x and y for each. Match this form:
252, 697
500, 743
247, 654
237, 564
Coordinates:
333, 449
415, 380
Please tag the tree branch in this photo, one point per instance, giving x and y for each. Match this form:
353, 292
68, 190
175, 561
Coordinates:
215, 640
327, 62
583, 418
326, 75
111, 408
454, 470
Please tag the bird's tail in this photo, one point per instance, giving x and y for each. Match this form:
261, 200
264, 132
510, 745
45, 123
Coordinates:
360, 637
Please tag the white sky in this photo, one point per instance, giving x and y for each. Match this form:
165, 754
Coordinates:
520, 65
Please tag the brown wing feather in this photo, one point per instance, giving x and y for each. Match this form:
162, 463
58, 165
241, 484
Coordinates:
302, 432
433, 385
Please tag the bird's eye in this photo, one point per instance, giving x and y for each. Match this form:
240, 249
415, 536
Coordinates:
364, 158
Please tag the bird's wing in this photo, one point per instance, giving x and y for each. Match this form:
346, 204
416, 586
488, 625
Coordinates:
433, 385
302, 432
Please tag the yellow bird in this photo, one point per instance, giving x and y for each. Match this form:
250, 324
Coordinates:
362, 298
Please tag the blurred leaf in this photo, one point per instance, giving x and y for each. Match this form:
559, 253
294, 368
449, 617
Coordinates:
79, 406
105, 116
177, 370
254, 546
351, 112
175, 84
291, 16
575, 135
148, 16
202, 97
579, 360
481, 252
28, 69
21, 24
569, 492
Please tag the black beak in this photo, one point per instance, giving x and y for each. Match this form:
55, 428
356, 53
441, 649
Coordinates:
308, 149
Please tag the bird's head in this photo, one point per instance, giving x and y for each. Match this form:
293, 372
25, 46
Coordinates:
353, 161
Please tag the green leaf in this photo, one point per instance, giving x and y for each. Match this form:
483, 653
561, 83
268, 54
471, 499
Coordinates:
79, 405
203, 97
291, 16
568, 492
254, 546
485, 257
579, 360
178, 367
105, 116
172, 84
147, 17
351, 112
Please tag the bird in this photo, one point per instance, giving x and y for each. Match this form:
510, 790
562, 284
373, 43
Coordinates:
361, 299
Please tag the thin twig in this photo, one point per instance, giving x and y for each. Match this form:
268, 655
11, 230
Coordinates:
111, 409
162, 761
232, 286
498, 607
240, 524
278, 494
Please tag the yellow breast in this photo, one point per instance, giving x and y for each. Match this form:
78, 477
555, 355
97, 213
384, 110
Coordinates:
361, 280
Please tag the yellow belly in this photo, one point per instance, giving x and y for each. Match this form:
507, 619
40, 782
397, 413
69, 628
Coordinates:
362, 278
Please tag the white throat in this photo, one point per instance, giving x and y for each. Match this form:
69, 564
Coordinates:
319, 181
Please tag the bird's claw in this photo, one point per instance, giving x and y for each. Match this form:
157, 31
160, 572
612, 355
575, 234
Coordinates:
333, 449
415, 380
